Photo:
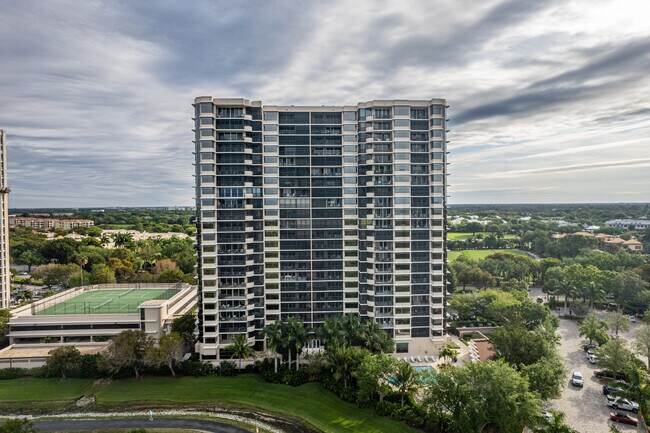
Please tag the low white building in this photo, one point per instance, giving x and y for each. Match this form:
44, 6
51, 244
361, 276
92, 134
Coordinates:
626, 223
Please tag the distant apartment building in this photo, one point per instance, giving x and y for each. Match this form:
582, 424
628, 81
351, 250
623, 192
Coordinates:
5, 275
625, 224
48, 223
318, 211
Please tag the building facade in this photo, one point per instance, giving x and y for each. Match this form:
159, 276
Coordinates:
48, 223
318, 211
625, 224
5, 275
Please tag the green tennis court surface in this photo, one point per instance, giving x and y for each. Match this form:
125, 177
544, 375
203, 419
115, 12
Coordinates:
113, 301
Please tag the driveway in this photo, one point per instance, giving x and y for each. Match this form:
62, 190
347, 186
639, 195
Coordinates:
585, 408
166, 423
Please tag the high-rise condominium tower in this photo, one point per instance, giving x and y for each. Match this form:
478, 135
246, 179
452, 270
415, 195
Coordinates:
317, 211
5, 275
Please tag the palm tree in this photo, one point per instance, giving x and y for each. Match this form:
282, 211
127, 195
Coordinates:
338, 361
594, 329
331, 332
240, 348
555, 424
352, 328
273, 335
406, 379
375, 339
298, 338
448, 353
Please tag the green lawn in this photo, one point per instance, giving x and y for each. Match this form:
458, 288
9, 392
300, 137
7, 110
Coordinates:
455, 236
310, 402
30, 389
481, 254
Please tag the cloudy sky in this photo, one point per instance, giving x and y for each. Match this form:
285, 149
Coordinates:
550, 100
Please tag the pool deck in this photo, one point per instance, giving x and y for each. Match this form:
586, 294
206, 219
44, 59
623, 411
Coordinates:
423, 348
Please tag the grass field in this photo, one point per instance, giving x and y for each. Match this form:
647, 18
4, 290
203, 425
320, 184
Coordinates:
310, 402
481, 254
454, 236
119, 301
31, 389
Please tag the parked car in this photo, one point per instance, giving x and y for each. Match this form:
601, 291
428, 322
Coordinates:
632, 319
607, 374
623, 418
589, 346
607, 389
592, 358
577, 379
622, 403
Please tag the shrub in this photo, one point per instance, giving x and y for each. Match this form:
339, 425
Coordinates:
15, 373
226, 368
89, 367
195, 368
295, 378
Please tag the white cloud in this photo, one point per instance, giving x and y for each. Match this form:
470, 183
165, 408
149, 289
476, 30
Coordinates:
96, 96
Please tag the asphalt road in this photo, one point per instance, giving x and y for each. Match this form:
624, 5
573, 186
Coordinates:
125, 423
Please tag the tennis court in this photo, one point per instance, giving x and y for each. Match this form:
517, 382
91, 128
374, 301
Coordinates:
110, 301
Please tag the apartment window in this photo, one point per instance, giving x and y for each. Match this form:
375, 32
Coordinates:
402, 134
325, 118
349, 116
271, 115
270, 127
419, 113
271, 138
382, 113
402, 111
294, 118
205, 108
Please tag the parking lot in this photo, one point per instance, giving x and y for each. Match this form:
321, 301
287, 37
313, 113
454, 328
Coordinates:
585, 408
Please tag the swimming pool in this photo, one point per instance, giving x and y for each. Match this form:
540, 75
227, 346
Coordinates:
423, 368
